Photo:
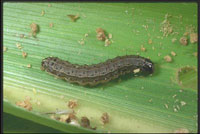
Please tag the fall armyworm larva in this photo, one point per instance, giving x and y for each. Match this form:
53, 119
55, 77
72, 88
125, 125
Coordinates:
97, 73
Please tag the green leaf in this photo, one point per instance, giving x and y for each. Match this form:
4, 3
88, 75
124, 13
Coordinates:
15, 124
187, 77
154, 103
42, 120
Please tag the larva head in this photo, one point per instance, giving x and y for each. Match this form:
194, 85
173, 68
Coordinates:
148, 66
48, 62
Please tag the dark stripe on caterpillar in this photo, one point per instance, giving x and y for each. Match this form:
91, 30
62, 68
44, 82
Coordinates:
97, 73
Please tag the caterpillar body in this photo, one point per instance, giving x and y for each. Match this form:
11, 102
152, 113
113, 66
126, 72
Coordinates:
97, 73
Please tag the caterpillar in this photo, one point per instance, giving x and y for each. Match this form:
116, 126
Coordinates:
97, 73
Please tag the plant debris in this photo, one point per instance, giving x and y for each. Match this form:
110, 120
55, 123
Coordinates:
183, 103
143, 49
100, 34
21, 35
73, 17
62, 97
190, 29
18, 45
5, 49
150, 100
173, 53
68, 111
181, 131
174, 40
166, 106
67, 116
166, 27
34, 91
183, 41
25, 104
54, 117
38, 103
82, 42
86, 35
105, 118
168, 58
29, 66
195, 54
186, 34
34, 29
107, 42
24, 54
72, 103
181, 75
175, 109
85, 122
180, 90
110, 36
193, 38
63, 118
71, 116
174, 96
145, 26
72, 119
50, 25
150, 41
74, 122
42, 13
